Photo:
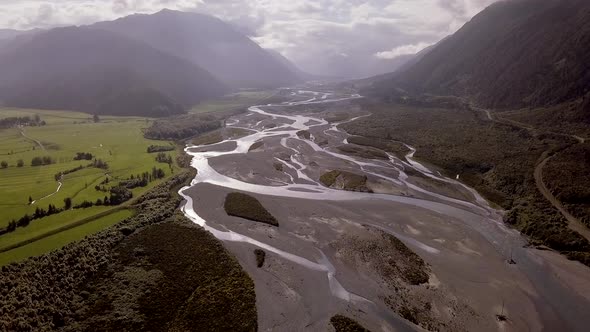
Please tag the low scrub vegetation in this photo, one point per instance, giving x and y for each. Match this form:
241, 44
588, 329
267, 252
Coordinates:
153, 271
363, 152
345, 180
248, 207
400, 270
83, 156
59, 175
278, 166
42, 161
11, 122
176, 277
208, 138
567, 175
164, 158
182, 127
397, 148
260, 256
496, 159
186, 126
344, 324
305, 134
256, 145
566, 118
50, 286
160, 148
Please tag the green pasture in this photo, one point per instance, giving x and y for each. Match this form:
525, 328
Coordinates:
117, 140
63, 238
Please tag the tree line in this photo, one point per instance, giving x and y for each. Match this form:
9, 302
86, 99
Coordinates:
21, 121
118, 195
159, 148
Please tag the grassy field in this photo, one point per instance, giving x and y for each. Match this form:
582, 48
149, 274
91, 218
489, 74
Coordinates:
63, 238
118, 141
233, 101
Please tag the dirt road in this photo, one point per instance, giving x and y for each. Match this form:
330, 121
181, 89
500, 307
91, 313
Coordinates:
573, 222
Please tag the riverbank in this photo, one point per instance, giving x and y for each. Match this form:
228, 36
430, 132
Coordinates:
306, 279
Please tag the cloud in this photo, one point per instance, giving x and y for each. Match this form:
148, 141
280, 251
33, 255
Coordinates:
334, 37
402, 50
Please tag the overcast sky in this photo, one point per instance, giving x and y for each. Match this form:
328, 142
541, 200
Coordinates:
322, 36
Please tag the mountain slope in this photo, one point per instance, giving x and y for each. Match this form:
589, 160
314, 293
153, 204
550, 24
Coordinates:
209, 43
101, 72
10, 39
289, 64
515, 53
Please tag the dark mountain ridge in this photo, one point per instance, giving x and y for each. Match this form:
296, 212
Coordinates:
209, 43
96, 71
516, 53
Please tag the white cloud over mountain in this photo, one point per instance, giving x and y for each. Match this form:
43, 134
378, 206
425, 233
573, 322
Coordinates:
335, 37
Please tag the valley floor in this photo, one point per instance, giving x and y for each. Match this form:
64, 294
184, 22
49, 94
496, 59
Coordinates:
335, 251
24, 188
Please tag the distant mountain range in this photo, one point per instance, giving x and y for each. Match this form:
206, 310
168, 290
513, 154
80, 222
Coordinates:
97, 71
207, 42
517, 53
154, 65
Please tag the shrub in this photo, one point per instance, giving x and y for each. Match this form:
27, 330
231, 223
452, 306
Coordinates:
157, 173
164, 158
345, 324
248, 207
329, 178
83, 156
3, 164
256, 146
159, 148
260, 256
345, 180
99, 163
304, 134
184, 126
41, 161
67, 203
48, 285
58, 176
84, 205
119, 195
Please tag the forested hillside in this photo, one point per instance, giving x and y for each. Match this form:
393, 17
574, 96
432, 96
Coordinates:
209, 43
492, 103
100, 72
518, 53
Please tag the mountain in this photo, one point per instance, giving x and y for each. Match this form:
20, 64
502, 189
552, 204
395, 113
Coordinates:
415, 58
516, 53
379, 82
10, 38
9, 33
289, 64
101, 72
209, 43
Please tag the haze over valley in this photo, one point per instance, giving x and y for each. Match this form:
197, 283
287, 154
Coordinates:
330, 166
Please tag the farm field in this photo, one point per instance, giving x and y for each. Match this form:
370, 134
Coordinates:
232, 101
118, 141
63, 238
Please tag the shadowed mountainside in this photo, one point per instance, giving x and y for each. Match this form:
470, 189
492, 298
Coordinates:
209, 43
70, 68
519, 53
